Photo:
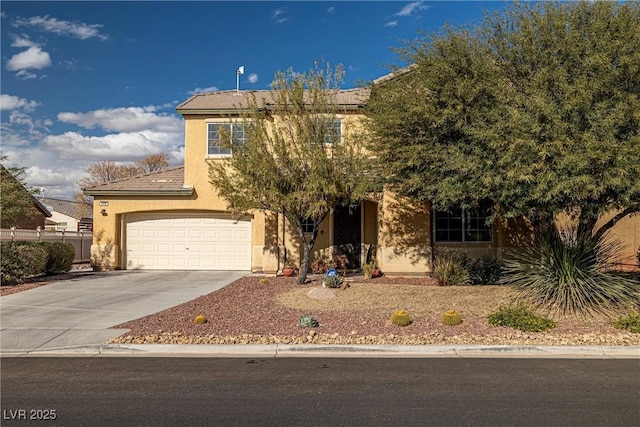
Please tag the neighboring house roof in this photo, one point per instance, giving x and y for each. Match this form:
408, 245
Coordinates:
169, 182
231, 100
68, 208
395, 74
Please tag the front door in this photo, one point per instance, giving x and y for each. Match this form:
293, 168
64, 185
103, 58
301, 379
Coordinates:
347, 236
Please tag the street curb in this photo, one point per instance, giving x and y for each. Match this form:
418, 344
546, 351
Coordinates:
340, 351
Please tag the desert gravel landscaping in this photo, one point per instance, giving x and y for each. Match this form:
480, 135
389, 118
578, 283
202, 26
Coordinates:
265, 310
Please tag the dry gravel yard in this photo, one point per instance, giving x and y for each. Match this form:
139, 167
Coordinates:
253, 310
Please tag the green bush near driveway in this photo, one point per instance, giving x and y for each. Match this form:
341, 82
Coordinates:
19, 261
24, 259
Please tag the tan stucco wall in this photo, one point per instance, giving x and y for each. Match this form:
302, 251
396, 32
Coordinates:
627, 232
404, 240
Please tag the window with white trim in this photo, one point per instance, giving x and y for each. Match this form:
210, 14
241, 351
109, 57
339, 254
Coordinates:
215, 132
333, 131
463, 225
307, 225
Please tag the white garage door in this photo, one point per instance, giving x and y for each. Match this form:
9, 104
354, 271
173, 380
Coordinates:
187, 241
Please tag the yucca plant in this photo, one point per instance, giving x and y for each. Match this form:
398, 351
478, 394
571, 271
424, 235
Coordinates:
569, 272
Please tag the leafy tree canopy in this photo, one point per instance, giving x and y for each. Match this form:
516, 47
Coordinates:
16, 198
537, 109
286, 165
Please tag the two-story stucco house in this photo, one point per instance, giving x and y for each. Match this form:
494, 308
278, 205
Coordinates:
175, 219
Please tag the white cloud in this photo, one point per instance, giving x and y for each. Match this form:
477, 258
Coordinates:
10, 102
23, 41
27, 75
203, 90
252, 78
391, 24
78, 30
279, 15
331, 10
11, 138
50, 179
21, 119
410, 8
131, 119
34, 57
127, 146
57, 161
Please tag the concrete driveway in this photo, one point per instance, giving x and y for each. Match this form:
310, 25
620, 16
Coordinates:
80, 311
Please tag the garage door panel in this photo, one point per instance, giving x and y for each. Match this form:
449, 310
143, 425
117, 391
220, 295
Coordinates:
187, 241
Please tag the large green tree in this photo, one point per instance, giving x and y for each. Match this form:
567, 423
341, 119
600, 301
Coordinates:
537, 109
16, 198
293, 162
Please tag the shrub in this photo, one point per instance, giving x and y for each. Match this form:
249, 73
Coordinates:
571, 272
200, 319
451, 269
400, 318
60, 257
264, 281
451, 317
308, 321
21, 260
630, 322
486, 270
334, 281
520, 317
367, 270
319, 266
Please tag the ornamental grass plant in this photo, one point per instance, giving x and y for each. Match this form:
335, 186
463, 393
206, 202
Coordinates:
567, 272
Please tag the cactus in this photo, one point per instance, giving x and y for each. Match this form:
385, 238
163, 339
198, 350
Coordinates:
308, 321
451, 317
332, 281
200, 319
400, 318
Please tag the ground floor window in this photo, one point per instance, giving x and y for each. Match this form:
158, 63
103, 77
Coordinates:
307, 225
463, 225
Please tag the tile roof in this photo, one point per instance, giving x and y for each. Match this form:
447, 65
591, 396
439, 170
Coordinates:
66, 207
167, 182
230, 100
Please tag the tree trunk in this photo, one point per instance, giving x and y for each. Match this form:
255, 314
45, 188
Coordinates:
307, 247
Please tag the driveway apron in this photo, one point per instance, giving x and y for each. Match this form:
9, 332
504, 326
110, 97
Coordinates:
81, 311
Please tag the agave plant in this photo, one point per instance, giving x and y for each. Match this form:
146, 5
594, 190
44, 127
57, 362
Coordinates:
570, 272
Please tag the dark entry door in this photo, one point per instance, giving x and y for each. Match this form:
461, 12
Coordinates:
347, 237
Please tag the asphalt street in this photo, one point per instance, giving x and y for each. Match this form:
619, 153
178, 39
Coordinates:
199, 391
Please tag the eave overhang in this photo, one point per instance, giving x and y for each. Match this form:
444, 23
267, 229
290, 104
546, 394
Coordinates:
185, 192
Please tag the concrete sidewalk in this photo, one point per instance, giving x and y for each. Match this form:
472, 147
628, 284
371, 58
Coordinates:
80, 311
353, 351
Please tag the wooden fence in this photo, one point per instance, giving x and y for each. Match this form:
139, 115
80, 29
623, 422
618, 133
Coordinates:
81, 240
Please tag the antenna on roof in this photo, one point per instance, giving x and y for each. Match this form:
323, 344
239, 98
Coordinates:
238, 72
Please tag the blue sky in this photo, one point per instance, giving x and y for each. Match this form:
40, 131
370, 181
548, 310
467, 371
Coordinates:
88, 81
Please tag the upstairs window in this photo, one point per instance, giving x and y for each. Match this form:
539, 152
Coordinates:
215, 132
463, 225
333, 131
